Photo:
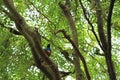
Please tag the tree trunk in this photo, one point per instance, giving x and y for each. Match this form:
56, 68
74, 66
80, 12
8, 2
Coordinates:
110, 67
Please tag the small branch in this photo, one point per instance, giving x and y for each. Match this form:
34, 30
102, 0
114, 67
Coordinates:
63, 73
94, 58
84, 12
100, 54
14, 31
66, 55
7, 13
78, 52
11, 30
42, 13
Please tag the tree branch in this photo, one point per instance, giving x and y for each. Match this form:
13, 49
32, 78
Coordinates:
7, 13
100, 54
66, 55
66, 10
11, 30
78, 52
100, 25
42, 14
63, 73
33, 38
109, 24
93, 31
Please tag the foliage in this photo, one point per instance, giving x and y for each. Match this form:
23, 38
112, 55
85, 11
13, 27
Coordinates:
16, 59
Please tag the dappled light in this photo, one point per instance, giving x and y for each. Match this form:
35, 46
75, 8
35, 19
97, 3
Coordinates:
59, 40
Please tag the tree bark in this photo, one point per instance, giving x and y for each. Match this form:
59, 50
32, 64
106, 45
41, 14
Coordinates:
78, 70
110, 66
108, 55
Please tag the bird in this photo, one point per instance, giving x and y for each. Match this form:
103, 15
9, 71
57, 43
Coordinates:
48, 50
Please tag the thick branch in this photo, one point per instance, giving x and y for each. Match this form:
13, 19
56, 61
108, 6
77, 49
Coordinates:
67, 13
109, 25
100, 25
33, 38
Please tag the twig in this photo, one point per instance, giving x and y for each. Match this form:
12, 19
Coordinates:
84, 11
66, 55
63, 73
42, 13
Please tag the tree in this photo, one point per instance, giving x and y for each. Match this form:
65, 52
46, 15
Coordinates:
78, 32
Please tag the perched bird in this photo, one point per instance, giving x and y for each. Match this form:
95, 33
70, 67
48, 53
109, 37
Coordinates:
48, 50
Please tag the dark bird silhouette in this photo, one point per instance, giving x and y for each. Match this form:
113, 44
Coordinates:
48, 50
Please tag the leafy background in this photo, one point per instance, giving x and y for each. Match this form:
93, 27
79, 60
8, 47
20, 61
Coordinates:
16, 61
